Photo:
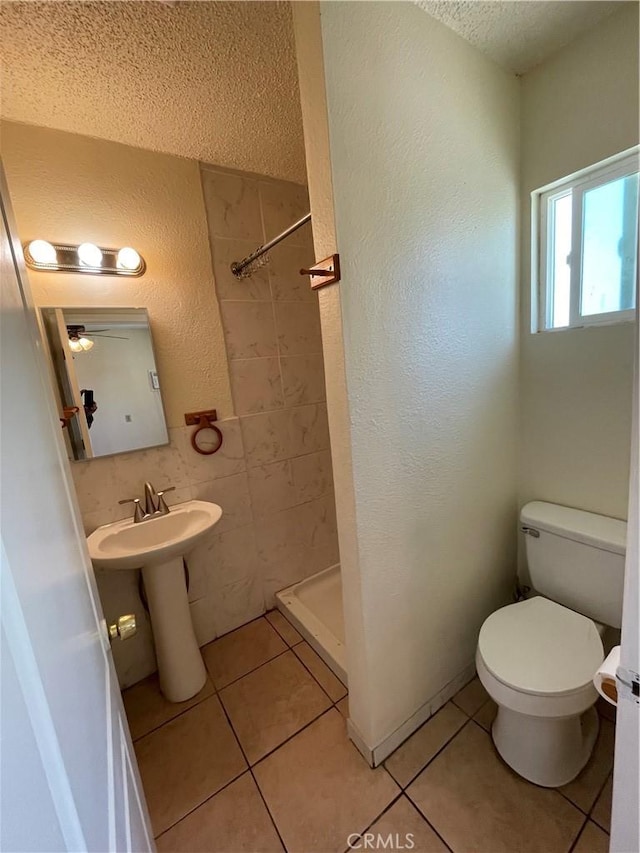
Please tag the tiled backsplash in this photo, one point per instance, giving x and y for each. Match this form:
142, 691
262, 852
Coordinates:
272, 476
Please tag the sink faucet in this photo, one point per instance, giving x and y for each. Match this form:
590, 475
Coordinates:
150, 506
152, 509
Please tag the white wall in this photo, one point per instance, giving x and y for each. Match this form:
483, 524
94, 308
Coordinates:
117, 369
578, 108
424, 149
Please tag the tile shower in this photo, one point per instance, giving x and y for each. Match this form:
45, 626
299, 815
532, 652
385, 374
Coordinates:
272, 476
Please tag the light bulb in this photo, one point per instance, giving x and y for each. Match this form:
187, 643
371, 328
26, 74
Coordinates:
75, 345
42, 252
128, 259
86, 344
89, 255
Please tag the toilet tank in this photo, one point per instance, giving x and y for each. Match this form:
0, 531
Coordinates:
576, 558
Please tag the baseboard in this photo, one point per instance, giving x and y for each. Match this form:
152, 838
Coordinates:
383, 750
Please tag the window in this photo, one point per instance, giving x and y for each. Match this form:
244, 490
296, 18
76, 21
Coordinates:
587, 247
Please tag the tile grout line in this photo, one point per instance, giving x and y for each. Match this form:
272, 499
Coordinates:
577, 838
434, 756
428, 822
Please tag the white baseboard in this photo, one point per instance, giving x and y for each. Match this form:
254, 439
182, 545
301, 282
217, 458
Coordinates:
383, 750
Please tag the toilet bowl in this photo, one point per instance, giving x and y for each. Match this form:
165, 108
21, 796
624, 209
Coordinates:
537, 658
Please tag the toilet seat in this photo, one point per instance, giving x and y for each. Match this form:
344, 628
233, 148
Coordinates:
538, 657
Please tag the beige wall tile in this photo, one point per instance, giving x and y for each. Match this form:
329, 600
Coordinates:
232, 206
256, 385
303, 379
312, 475
283, 203
235, 603
304, 780
256, 286
272, 488
266, 437
230, 493
298, 328
308, 429
233, 820
287, 285
249, 329
271, 704
186, 761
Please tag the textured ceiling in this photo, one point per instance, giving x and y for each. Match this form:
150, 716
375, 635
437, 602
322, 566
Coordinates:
519, 34
212, 81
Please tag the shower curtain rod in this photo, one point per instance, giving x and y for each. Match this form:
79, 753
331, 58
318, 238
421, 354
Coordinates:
239, 268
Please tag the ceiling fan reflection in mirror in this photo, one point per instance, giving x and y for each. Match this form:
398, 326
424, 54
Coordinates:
80, 339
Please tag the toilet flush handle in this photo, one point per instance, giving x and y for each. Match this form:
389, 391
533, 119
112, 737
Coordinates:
530, 531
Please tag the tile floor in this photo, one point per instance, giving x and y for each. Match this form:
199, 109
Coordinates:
260, 761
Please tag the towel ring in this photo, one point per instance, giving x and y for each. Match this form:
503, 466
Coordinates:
203, 421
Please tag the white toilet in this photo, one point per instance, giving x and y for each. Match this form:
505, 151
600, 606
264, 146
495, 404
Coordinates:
537, 658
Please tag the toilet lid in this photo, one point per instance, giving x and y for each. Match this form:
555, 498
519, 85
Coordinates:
538, 646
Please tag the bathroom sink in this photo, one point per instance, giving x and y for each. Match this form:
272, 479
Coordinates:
158, 547
125, 545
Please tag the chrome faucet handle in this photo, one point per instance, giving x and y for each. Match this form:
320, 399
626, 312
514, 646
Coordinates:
163, 509
138, 514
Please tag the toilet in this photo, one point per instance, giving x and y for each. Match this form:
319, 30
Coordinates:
537, 658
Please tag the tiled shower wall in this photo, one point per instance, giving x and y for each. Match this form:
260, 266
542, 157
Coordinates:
272, 476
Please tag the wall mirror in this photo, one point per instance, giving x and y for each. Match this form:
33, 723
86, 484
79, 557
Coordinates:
103, 366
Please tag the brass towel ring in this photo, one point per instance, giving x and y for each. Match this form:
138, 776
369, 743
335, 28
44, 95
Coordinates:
204, 420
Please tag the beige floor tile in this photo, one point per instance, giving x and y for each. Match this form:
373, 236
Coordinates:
233, 820
602, 810
472, 697
147, 708
407, 828
319, 789
234, 655
272, 703
284, 627
584, 790
475, 802
343, 707
186, 761
415, 753
321, 672
486, 715
592, 840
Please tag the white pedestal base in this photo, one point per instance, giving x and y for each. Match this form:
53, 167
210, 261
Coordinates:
180, 665
549, 751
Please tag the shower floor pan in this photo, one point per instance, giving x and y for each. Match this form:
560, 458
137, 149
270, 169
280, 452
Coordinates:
314, 606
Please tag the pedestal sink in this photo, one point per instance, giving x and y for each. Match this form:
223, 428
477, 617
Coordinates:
157, 546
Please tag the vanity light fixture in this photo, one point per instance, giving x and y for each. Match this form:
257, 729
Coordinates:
86, 258
90, 255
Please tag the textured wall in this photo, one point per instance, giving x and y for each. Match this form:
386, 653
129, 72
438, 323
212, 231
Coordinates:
425, 192
74, 188
577, 109
210, 81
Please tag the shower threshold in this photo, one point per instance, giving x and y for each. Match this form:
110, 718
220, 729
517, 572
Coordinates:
314, 606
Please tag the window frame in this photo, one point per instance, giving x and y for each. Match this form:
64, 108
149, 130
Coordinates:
620, 166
